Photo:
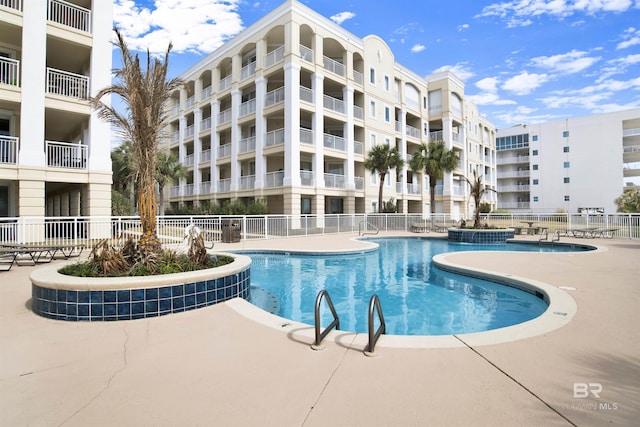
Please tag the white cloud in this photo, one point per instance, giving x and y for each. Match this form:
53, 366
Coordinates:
592, 97
463, 27
631, 37
461, 70
617, 66
339, 18
525, 83
566, 63
197, 26
417, 48
489, 93
488, 84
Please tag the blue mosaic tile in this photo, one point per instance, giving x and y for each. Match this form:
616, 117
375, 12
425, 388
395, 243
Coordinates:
201, 298
165, 304
190, 301
96, 296
83, 310
177, 302
211, 285
189, 288
61, 295
151, 306
110, 310
72, 310
211, 296
61, 308
124, 295
137, 295
124, 309
164, 292
83, 297
201, 287
109, 296
96, 310
137, 308
151, 293
177, 290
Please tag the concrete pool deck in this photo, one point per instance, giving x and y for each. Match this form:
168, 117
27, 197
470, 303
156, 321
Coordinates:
232, 365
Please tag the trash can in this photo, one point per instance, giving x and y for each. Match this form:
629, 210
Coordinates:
230, 231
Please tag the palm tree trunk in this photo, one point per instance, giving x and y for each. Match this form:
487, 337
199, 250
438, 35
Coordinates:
432, 194
149, 241
380, 189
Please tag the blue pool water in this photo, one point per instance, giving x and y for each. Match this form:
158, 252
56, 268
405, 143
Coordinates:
416, 297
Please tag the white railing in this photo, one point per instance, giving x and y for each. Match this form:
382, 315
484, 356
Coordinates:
274, 137
67, 84
205, 187
205, 155
205, 124
359, 183
456, 190
189, 131
224, 83
274, 97
175, 110
247, 144
335, 142
205, 93
512, 160
510, 174
307, 178
306, 136
189, 190
333, 104
631, 149
435, 109
274, 56
224, 116
413, 132
12, 4
358, 112
631, 132
66, 155
248, 107
332, 65
248, 70
275, 179
513, 188
70, 15
358, 77
175, 136
174, 191
332, 180
358, 147
515, 205
9, 71
247, 182
414, 188
188, 160
190, 101
224, 185
436, 136
306, 54
224, 150
87, 230
306, 94
8, 150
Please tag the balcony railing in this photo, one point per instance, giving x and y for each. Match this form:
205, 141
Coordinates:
332, 180
248, 70
335, 142
510, 174
274, 56
224, 185
188, 160
175, 110
358, 77
513, 188
248, 107
67, 84
205, 187
66, 155
306, 178
359, 183
515, 205
174, 191
306, 136
189, 190
247, 182
224, 116
175, 137
224, 83
274, 97
205, 155
413, 132
247, 144
306, 54
189, 131
333, 104
275, 179
70, 15
275, 137
512, 160
12, 4
224, 150
205, 93
358, 147
8, 150
205, 124
9, 71
306, 94
435, 110
358, 112
631, 132
190, 101
333, 66
456, 190
436, 136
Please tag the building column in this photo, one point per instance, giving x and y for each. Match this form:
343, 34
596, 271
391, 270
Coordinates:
317, 86
292, 126
197, 150
261, 129
74, 203
347, 94
215, 145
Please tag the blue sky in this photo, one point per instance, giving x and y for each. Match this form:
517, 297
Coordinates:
523, 61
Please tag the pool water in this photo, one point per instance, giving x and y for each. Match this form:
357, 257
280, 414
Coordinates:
416, 297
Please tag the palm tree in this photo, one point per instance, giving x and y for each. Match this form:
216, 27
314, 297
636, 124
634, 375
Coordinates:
433, 159
144, 94
168, 169
477, 190
380, 159
124, 170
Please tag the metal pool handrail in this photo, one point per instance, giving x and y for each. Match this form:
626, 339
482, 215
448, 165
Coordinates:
364, 230
316, 314
374, 304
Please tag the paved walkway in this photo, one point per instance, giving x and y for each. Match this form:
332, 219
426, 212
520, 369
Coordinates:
234, 365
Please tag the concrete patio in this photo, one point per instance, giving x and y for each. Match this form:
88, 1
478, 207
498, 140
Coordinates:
234, 365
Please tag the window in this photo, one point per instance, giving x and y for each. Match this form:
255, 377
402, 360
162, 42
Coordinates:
386, 83
372, 76
565, 134
566, 198
387, 114
387, 141
424, 102
373, 139
535, 182
565, 149
535, 167
567, 165
372, 109
567, 180
534, 153
534, 138
535, 198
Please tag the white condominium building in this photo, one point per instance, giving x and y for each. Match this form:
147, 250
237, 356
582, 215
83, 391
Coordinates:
577, 165
54, 151
288, 109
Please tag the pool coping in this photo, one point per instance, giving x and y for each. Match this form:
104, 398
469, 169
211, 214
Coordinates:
562, 307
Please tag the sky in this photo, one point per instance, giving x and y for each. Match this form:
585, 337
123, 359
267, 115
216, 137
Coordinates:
522, 61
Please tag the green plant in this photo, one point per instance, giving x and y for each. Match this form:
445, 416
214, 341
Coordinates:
381, 159
434, 159
389, 207
477, 190
629, 201
257, 207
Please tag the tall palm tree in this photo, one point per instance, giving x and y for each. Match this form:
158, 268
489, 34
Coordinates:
434, 159
144, 94
380, 159
477, 190
168, 169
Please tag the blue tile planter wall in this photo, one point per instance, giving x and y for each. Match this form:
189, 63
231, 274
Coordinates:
62, 297
480, 236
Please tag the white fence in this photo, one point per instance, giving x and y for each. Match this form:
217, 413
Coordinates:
87, 230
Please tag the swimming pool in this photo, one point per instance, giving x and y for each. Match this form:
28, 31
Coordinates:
416, 297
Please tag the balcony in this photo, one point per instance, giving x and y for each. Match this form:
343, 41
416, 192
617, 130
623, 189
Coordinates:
189, 131
359, 183
332, 180
188, 160
248, 70
224, 150
205, 156
333, 104
334, 142
69, 15
306, 94
224, 185
9, 71
8, 150
306, 178
630, 132
67, 84
12, 4
248, 107
358, 148
512, 160
274, 56
514, 205
513, 188
275, 137
306, 54
334, 66
175, 137
410, 131
275, 179
436, 136
174, 191
247, 144
205, 187
247, 182
66, 155
189, 190
274, 97
224, 116
189, 102
358, 77
205, 93
456, 190
224, 83
358, 112
205, 124
513, 174
306, 136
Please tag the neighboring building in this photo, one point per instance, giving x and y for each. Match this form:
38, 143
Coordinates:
54, 151
577, 165
287, 110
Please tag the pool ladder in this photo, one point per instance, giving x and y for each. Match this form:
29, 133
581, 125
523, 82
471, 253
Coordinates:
363, 228
374, 306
